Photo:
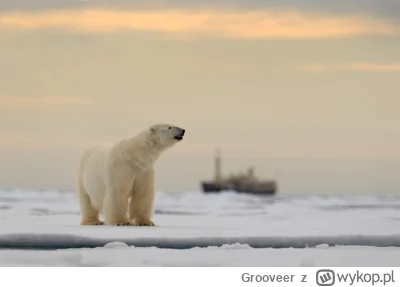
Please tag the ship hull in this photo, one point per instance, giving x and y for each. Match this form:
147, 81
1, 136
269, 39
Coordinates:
209, 187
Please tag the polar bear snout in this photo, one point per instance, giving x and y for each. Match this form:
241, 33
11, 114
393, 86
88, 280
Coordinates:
180, 134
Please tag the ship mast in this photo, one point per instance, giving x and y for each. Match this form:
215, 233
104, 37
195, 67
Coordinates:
217, 166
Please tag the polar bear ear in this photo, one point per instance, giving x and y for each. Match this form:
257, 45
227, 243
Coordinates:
153, 130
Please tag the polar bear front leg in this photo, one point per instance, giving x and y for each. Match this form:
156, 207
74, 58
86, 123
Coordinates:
142, 199
116, 207
116, 200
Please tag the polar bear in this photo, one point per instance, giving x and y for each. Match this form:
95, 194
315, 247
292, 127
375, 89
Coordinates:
118, 180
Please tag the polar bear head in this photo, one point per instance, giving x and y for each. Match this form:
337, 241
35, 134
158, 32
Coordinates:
165, 135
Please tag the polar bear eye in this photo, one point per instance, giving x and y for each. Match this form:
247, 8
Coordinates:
169, 128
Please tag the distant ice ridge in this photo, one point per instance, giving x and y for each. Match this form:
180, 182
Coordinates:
67, 241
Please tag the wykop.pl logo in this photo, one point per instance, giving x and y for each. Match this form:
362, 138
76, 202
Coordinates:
325, 277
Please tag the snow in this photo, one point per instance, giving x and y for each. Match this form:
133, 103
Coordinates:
229, 229
231, 255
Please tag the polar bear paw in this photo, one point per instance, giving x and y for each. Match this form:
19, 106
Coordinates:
144, 223
124, 223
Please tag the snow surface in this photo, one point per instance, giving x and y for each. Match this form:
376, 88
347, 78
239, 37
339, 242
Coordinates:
205, 230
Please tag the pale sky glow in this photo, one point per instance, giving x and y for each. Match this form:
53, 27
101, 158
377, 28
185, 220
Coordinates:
368, 67
40, 102
270, 80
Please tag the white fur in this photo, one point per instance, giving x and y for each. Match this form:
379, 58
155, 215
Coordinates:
118, 180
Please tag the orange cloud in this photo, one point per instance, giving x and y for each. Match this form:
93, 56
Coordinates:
367, 67
39, 102
242, 24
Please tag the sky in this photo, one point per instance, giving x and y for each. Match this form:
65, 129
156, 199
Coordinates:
305, 91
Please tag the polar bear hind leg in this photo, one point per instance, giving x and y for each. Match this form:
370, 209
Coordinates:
142, 199
89, 215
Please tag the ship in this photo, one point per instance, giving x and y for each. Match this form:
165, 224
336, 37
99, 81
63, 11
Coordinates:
240, 183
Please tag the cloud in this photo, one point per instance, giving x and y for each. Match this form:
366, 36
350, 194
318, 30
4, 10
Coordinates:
367, 67
231, 24
39, 102
372, 67
384, 8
